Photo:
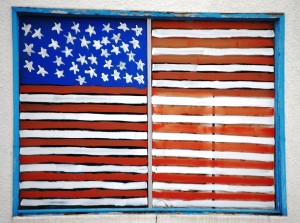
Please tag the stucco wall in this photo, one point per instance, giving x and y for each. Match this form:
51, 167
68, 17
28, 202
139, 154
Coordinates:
292, 99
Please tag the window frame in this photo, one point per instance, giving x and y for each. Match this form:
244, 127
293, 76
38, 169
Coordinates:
280, 167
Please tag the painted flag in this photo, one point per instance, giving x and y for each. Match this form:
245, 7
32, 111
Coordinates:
83, 112
213, 114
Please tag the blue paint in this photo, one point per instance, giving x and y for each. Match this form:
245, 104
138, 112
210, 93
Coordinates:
280, 177
16, 142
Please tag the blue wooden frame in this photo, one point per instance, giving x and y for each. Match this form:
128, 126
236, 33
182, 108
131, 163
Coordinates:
280, 177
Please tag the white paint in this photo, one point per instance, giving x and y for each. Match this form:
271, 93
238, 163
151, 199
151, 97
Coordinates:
213, 51
213, 138
213, 170
86, 202
83, 151
82, 185
71, 168
212, 68
226, 119
212, 154
82, 116
215, 203
215, 187
214, 101
213, 84
73, 98
211, 33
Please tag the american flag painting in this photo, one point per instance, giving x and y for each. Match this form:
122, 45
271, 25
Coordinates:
83, 112
213, 114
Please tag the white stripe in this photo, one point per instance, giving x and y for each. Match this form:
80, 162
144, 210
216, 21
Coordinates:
211, 33
213, 68
70, 168
214, 101
213, 154
73, 98
214, 203
82, 134
82, 151
213, 138
213, 84
213, 170
82, 116
213, 51
86, 202
227, 119
82, 185
210, 187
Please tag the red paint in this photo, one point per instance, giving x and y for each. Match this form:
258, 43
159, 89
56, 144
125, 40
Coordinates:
190, 196
205, 179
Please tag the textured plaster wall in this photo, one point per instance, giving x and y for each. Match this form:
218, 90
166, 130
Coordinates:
292, 99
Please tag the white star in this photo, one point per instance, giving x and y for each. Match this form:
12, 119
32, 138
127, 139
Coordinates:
104, 77
97, 44
128, 78
123, 26
57, 27
104, 53
76, 27
81, 80
140, 65
90, 30
116, 38
115, 50
93, 59
107, 28
67, 51
37, 33
91, 72
26, 29
59, 73
131, 56
125, 47
122, 65
82, 60
70, 38
74, 68
54, 44
116, 75
105, 40
135, 43
137, 30
108, 64
85, 42
28, 49
42, 71
58, 61
29, 65
139, 78
43, 52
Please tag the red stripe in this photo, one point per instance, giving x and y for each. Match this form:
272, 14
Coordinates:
192, 145
132, 161
90, 193
241, 130
32, 107
202, 59
48, 176
171, 161
201, 179
36, 142
211, 25
190, 196
83, 125
51, 89
174, 42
